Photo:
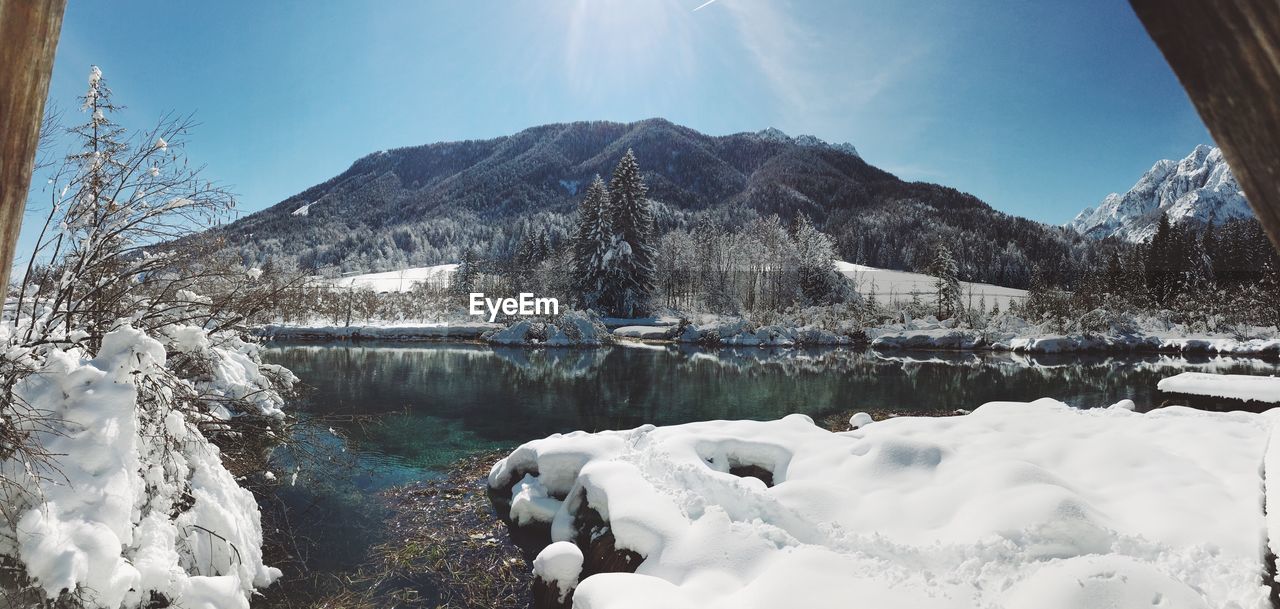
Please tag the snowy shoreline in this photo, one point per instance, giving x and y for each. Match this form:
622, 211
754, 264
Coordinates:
431, 332
886, 340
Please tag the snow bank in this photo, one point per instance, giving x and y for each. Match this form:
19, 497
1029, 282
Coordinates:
657, 320
1014, 505
940, 338
738, 332
424, 332
1011, 333
140, 503
1232, 386
646, 332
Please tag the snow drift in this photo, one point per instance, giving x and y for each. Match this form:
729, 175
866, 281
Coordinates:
1015, 505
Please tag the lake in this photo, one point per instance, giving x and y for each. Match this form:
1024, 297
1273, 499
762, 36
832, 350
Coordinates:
377, 415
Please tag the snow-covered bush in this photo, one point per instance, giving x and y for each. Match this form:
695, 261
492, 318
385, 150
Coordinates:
120, 366
131, 504
570, 329
1105, 322
714, 330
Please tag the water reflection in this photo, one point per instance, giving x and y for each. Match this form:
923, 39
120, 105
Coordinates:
461, 397
442, 402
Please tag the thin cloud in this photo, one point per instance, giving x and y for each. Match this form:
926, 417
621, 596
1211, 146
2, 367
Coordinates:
797, 61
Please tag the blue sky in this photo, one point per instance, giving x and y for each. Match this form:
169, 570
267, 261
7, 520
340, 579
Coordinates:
1039, 108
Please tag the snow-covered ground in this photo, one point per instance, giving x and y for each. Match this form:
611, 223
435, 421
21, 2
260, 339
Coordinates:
455, 330
887, 285
830, 326
402, 280
1233, 386
571, 329
899, 286
1015, 505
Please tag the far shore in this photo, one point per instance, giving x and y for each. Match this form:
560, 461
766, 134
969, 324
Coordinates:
886, 340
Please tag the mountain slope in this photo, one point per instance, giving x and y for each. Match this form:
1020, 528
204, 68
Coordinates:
1198, 189
425, 205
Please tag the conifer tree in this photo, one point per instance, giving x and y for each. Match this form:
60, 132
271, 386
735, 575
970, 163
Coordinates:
463, 280
533, 249
591, 241
1209, 247
946, 282
629, 278
1160, 266
1115, 276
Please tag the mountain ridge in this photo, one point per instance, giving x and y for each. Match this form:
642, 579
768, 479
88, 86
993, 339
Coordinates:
427, 204
1198, 189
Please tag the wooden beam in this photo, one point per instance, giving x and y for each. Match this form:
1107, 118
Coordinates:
28, 37
1227, 55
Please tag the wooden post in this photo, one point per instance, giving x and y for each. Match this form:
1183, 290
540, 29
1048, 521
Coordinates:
1227, 55
28, 37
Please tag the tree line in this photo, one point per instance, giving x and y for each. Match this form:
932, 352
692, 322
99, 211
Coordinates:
1215, 277
619, 264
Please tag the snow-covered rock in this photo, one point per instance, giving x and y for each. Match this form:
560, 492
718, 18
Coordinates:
1200, 188
1014, 505
937, 338
739, 332
571, 329
646, 332
559, 564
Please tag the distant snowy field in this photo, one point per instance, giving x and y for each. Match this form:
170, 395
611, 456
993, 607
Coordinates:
402, 280
899, 286
888, 286
1014, 506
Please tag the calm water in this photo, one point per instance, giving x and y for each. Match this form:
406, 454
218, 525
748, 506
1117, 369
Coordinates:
437, 403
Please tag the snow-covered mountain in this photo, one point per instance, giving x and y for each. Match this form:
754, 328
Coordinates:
1198, 189
429, 205
775, 135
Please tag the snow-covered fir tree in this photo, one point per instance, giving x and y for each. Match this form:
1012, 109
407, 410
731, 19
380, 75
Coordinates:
946, 282
591, 241
463, 280
629, 262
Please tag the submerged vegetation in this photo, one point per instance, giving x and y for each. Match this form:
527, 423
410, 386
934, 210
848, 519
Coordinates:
445, 548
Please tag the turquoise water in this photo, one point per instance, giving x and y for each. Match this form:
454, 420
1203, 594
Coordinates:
377, 415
